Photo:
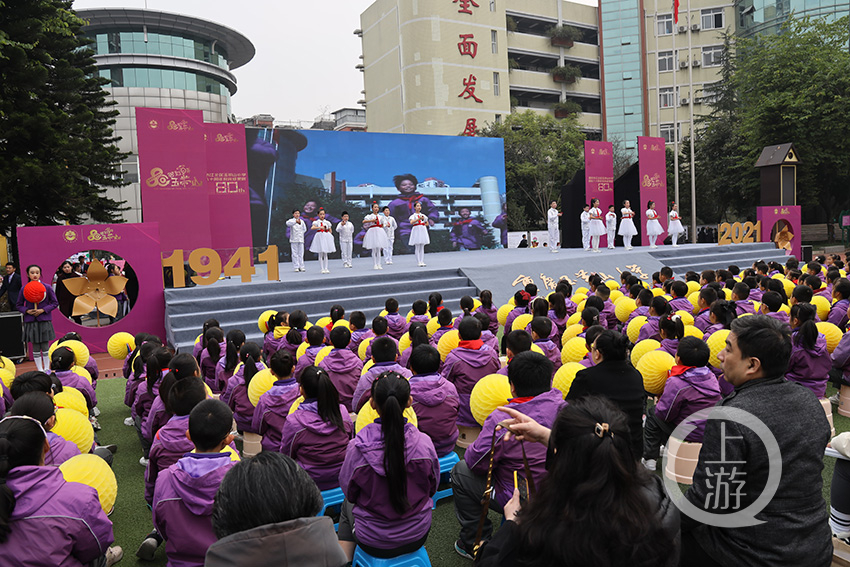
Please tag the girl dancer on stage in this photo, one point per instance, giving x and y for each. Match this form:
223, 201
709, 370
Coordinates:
653, 227
390, 226
597, 227
552, 216
611, 226
674, 227
345, 229
585, 227
323, 242
627, 225
297, 230
375, 239
419, 234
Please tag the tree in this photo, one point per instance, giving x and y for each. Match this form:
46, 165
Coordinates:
57, 149
541, 156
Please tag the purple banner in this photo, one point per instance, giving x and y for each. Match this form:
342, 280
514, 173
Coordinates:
599, 176
227, 186
774, 219
652, 161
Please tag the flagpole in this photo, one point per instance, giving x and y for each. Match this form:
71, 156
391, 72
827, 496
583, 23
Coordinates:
675, 106
693, 132
657, 76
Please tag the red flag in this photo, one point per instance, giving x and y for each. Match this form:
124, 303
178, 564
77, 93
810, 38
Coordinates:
676, 11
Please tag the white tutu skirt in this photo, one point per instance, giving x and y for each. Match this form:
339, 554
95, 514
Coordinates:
653, 228
375, 238
323, 242
627, 228
675, 227
597, 228
419, 235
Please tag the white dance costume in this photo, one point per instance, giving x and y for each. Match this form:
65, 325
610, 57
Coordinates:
346, 241
585, 230
628, 230
297, 229
611, 228
419, 236
653, 227
375, 239
390, 226
323, 243
552, 226
597, 227
674, 227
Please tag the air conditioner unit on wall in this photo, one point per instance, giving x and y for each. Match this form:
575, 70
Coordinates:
683, 29
683, 102
697, 63
683, 64
695, 27
697, 100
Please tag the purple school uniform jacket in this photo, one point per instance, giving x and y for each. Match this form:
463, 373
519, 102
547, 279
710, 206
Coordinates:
810, 367
650, 329
687, 393
552, 352
464, 367
130, 390
460, 318
838, 313
681, 304
317, 445
369, 346
222, 375
237, 400
642, 310
424, 318
436, 404
208, 365
490, 340
74, 380
343, 367
397, 325
144, 399
701, 321
404, 358
435, 338
610, 315
91, 367
54, 522
183, 504
364, 483
841, 357
711, 329
357, 337
553, 334
560, 323
513, 314
363, 391
169, 444
157, 417
49, 304
780, 316
60, 450
543, 409
492, 314
744, 306
467, 233
307, 359
271, 411
670, 346
755, 294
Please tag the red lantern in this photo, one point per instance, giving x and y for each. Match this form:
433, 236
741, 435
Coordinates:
35, 292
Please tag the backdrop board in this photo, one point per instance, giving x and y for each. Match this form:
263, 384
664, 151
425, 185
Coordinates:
652, 163
599, 177
774, 219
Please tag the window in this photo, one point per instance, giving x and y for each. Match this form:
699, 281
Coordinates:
668, 131
498, 119
494, 41
665, 61
666, 97
710, 93
496, 86
492, 5
712, 56
712, 19
664, 24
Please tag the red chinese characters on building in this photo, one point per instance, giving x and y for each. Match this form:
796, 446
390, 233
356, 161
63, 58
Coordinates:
469, 89
466, 46
470, 127
464, 6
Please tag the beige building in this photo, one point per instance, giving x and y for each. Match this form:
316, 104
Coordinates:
449, 66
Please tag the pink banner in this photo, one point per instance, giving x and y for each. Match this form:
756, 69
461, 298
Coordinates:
599, 176
652, 161
227, 186
778, 217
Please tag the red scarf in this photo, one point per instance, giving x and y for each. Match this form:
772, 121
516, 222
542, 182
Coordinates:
411, 201
474, 345
679, 369
521, 400
462, 222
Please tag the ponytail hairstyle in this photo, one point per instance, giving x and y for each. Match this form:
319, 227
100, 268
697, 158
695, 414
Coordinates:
155, 364
276, 320
36, 405
61, 359
564, 287
209, 324
660, 306
182, 366
317, 384
21, 444
235, 340
435, 300
418, 334
590, 317
298, 319
140, 339
294, 337
281, 363
807, 332
391, 394
672, 326
145, 351
558, 304
540, 308
337, 313
725, 312
521, 298
486, 297
212, 342
467, 304
249, 355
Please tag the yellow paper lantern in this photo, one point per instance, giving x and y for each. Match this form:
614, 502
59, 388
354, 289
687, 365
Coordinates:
624, 308
307, 325
489, 392
79, 370
263, 321
81, 351
404, 342
789, 287
369, 364
633, 330
565, 375
322, 354
823, 306
383, 313
409, 315
433, 325
298, 401
778, 276
574, 319
612, 285
234, 455
691, 331
512, 302
8, 371
476, 303
668, 297
120, 345
198, 339
615, 295
323, 322
654, 366
583, 290
687, 318
521, 322
578, 297
537, 349
448, 342
302, 348
209, 392
72, 398
656, 291
716, 342
692, 287
581, 305
91, 470
361, 349
643, 347
570, 332
831, 332
574, 350
368, 415
693, 297
260, 384
341, 323
785, 308
73, 426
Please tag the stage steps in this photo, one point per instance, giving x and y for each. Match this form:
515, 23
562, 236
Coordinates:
239, 306
712, 256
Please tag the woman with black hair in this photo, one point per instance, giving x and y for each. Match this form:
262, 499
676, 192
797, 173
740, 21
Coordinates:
810, 361
389, 475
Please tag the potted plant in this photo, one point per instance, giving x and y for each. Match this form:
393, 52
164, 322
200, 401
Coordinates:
514, 102
512, 64
568, 74
564, 36
566, 109
510, 24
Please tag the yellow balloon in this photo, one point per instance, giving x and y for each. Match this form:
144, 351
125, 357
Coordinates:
302, 348
72, 426
831, 332
260, 384
298, 401
656, 291
570, 332
263, 321
368, 415
624, 308
779, 276
369, 364
209, 391
234, 456
361, 349
574, 350
81, 351
197, 339
323, 322
574, 319
757, 306
79, 370
433, 325
822, 305
521, 322
71, 398
717, 342
91, 470
785, 308
121, 344
693, 297
654, 366
692, 287
633, 330
615, 295
691, 331
448, 342
489, 392
612, 285
565, 375
687, 318
322, 354
643, 347
404, 342
307, 325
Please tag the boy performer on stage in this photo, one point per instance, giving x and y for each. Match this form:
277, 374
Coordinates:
585, 227
297, 230
611, 226
552, 220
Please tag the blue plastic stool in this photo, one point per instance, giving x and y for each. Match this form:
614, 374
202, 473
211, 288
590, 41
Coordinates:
418, 558
446, 464
332, 498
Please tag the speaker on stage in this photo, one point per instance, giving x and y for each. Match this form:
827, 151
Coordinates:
12, 335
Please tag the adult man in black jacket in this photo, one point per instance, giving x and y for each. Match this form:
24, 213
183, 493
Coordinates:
11, 284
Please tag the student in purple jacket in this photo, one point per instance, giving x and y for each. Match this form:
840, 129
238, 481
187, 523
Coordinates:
420, 312
39, 406
841, 362
390, 473
185, 491
516, 342
657, 309
488, 308
418, 335
444, 318
435, 399
841, 294
359, 332
61, 362
384, 357
530, 378
213, 351
558, 311
541, 328
277, 325
521, 301
607, 312
771, 305
148, 390
706, 297
227, 364
740, 296
672, 330
200, 344
467, 364
38, 318
45, 520
810, 361
680, 301
137, 374
643, 301
720, 316
317, 433
273, 406
342, 365
181, 366
380, 328
590, 335
467, 306
487, 337
691, 387
315, 342
539, 307
236, 394
396, 323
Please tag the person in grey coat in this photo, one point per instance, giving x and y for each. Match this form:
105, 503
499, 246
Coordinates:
794, 527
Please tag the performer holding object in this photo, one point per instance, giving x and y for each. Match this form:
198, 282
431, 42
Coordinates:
627, 225
419, 234
297, 229
611, 226
552, 218
345, 228
323, 241
674, 227
375, 239
585, 227
597, 226
653, 226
